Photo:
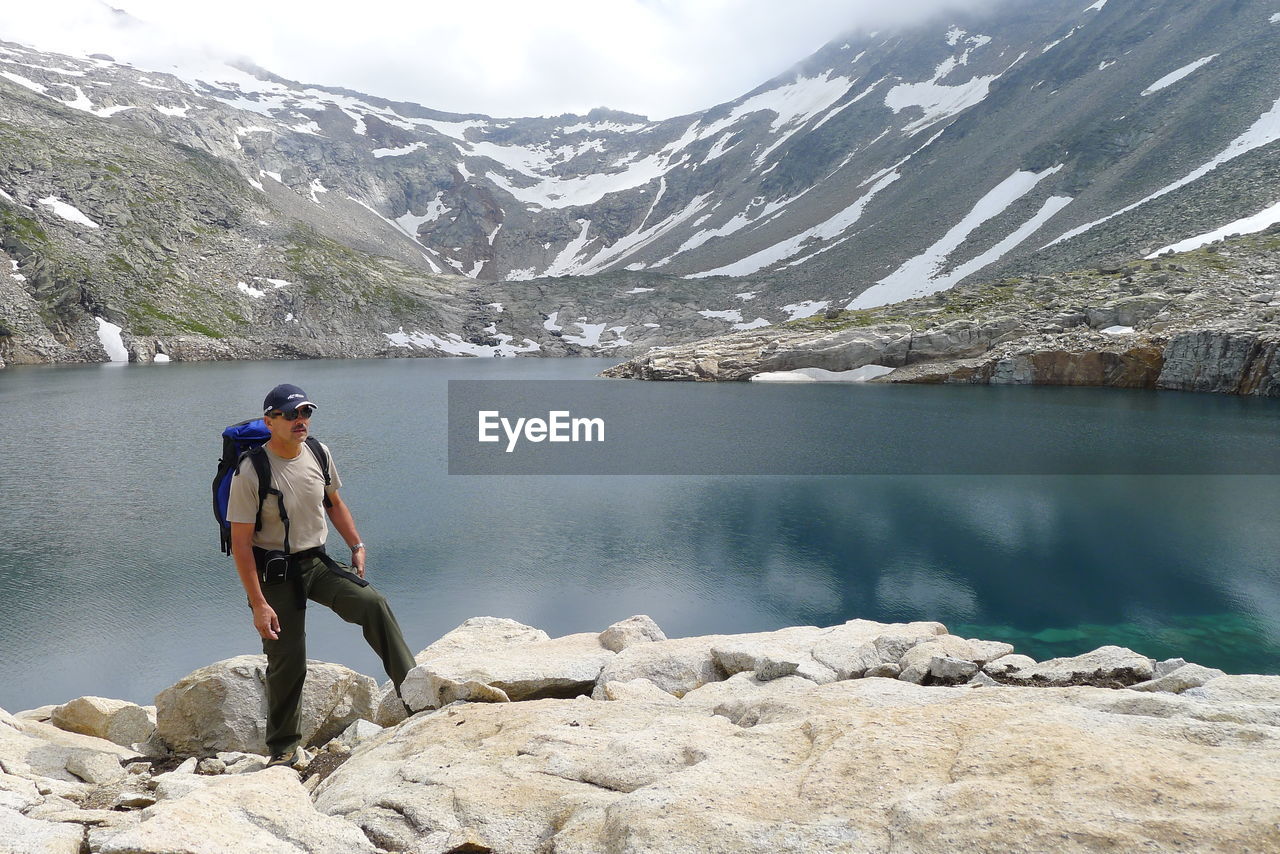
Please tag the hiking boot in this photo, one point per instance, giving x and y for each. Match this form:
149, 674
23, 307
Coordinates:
288, 758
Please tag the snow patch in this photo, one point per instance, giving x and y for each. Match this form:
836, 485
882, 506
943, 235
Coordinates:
1247, 225
937, 100
109, 335
563, 263
923, 274
399, 152
317, 187
1117, 330
820, 375
1097, 7
453, 345
590, 336
603, 127
808, 308
640, 291
746, 296
734, 316
160, 359
833, 227
522, 275
550, 324
22, 81
176, 112
256, 293
68, 212
1174, 76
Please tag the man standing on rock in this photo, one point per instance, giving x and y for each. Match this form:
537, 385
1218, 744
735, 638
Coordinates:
278, 533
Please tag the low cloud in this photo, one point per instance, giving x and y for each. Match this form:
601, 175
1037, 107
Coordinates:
499, 57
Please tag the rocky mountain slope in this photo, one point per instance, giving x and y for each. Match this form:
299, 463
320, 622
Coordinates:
1023, 138
1203, 320
865, 736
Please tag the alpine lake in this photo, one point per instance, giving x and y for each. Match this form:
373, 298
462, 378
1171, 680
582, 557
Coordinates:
114, 584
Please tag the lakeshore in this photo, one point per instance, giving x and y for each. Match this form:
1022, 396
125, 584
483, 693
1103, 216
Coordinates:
861, 736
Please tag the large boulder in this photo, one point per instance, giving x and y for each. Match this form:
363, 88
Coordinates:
115, 720
856, 765
633, 630
222, 707
268, 812
482, 634
773, 655
526, 670
1113, 665
44, 751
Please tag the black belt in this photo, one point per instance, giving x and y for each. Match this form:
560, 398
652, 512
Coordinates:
294, 571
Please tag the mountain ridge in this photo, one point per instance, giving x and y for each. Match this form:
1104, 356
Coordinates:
887, 165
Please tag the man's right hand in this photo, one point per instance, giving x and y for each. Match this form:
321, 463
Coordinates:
266, 622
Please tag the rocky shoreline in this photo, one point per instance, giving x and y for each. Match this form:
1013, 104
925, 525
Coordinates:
1197, 321
864, 737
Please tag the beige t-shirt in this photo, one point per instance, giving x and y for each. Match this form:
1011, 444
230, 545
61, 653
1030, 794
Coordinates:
302, 482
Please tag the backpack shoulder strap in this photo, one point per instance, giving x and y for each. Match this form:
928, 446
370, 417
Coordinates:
323, 459
262, 467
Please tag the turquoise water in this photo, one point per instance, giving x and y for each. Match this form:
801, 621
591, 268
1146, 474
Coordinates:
115, 585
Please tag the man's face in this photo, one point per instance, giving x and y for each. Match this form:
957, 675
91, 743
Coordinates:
289, 430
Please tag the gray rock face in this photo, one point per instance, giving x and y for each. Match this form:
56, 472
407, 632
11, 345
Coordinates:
222, 707
1227, 363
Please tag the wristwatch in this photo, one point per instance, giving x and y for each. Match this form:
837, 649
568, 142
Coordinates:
355, 547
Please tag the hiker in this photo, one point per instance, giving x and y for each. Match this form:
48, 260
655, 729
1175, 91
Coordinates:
277, 539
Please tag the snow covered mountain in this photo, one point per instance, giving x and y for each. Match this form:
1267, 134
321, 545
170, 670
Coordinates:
1038, 135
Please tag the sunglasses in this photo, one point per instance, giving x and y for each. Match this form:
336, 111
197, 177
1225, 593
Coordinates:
300, 412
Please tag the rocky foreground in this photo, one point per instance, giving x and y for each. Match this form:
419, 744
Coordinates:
1197, 321
863, 737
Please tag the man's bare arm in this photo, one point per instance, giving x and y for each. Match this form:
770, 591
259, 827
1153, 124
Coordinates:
264, 616
340, 516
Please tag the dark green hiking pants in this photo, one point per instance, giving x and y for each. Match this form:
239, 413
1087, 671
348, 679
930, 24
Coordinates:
287, 656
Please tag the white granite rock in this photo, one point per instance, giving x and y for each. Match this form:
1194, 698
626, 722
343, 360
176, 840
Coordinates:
94, 767
1007, 664
858, 765
859, 645
480, 634
560, 667
677, 665
1107, 662
637, 690
264, 813
1247, 689
1179, 680
22, 835
222, 707
42, 750
115, 720
631, 631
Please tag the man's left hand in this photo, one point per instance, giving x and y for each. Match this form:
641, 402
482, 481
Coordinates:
357, 562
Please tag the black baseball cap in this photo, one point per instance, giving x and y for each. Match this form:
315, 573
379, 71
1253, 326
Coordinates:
286, 398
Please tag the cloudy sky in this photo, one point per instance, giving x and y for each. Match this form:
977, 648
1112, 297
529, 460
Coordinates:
499, 57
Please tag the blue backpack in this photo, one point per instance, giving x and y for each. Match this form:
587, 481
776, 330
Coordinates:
246, 440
